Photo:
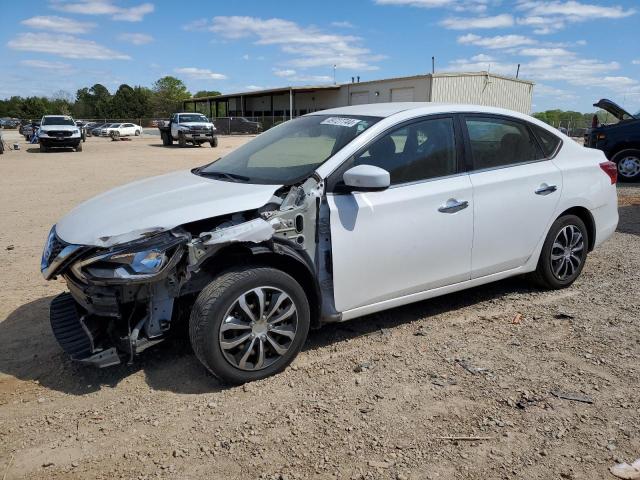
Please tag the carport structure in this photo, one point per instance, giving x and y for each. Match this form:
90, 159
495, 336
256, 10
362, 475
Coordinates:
285, 102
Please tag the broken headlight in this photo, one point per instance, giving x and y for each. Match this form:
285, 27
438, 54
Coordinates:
134, 262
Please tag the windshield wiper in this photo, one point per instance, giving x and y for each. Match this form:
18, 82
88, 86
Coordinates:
234, 177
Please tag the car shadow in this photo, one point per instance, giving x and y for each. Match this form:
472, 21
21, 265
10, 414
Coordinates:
52, 150
188, 145
29, 351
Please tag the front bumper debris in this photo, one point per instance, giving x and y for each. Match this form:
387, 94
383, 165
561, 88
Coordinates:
74, 335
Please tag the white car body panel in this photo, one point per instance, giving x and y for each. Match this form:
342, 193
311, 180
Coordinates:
396, 242
510, 218
157, 203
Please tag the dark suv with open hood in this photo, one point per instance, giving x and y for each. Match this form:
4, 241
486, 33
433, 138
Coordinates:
620, 142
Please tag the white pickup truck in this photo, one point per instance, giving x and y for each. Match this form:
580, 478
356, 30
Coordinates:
59, 131
186, 128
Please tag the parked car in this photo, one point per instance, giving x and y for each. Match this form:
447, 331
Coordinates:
106, 129
122, 130
620, 141
185, 128
95, 131
58, 131
229, 125
328, 217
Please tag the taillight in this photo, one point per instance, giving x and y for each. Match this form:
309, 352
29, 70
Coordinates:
610, 169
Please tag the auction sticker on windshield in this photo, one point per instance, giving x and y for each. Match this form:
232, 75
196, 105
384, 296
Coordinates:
340, 121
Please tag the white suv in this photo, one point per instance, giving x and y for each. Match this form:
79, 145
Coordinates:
59, 131
325, 218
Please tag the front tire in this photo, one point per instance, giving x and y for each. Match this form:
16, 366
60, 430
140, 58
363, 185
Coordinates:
79, 147
214, 142
249, 323
43, 148
182, 141
137, 133
628, 163
563, 254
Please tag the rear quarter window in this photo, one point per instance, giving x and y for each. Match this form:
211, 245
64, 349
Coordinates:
548, 141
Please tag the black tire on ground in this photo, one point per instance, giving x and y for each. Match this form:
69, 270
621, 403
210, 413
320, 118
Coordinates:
544, 274
137, 133
43, 148
182, 141
218, 297
165, 139
79, 147
84, 136
26, 137
628, 163
214, 142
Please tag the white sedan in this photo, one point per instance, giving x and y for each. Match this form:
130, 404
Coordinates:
123, 129
325, 218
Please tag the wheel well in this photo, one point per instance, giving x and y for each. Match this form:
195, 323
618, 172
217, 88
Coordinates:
585, 215
622, 147
235, 255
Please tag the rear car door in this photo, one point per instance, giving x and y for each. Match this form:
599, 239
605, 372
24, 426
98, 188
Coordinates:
516, 189
414, 236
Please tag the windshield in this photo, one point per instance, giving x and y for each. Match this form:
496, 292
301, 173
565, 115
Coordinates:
193, 118
291, 151
58, 121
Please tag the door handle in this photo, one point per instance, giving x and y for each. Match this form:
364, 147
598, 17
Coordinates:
452, 206
545, 189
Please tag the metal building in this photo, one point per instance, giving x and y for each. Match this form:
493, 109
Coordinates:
479, 88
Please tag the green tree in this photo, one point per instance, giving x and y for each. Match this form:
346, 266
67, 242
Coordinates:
168, 95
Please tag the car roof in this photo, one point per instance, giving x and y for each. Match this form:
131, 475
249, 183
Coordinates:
392, 108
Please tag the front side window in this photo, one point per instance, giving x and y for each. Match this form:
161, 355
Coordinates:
497, 142
420, 151
289, 152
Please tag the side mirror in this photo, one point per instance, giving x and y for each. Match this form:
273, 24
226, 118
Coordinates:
366, 178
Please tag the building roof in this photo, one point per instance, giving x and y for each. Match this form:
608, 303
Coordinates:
312, 88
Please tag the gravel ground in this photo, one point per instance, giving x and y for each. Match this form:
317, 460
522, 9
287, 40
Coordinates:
384, 396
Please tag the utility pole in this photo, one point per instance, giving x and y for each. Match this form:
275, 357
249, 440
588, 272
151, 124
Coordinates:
334, 74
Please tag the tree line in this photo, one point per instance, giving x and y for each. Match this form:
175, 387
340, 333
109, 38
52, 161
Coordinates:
570, 119
161, 100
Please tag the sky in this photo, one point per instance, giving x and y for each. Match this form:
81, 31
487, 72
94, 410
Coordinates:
575, 51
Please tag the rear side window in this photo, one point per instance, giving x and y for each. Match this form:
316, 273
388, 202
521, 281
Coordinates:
497, 142
548, 140
419, 151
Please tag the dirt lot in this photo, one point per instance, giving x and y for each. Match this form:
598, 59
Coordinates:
373, 398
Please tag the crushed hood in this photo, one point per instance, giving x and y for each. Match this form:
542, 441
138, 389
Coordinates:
159, 203
614, 109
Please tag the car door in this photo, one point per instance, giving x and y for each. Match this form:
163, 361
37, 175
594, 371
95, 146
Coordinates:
515, 192
128, 129
414, 236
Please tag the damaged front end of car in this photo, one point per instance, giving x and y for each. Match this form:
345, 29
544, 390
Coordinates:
129, 296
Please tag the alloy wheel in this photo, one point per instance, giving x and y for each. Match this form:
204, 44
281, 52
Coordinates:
567, 252
629, 166
258, 329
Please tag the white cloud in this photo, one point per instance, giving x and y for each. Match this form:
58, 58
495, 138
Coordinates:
53, 67
483, 58
636, 62
497, 42
66, 46
104, 7
551, 16
54, 23
456, 5
497, 21
545, 52
284, 73
307, 47
200, 73
343, 24
254, 87
136, 38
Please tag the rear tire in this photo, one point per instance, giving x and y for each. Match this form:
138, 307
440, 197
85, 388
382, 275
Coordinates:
628, 163
563, 254
251, 346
